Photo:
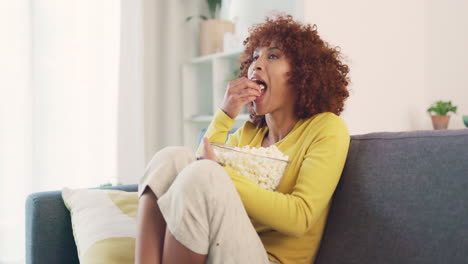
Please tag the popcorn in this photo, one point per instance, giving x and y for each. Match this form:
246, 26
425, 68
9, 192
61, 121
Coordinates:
264, 166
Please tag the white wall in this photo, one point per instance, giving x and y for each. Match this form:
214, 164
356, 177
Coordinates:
15, 126
397, 63
446, 53
383, 41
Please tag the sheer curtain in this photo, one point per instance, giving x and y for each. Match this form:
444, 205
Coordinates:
168, 42
155, 41
89, 91
59, 103
75, 53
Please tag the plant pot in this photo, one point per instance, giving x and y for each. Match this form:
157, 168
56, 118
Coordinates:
212, 35
440, 121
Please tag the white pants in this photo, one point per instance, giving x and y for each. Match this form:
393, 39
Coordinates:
202, 208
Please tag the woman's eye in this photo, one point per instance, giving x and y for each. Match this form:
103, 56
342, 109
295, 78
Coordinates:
273, 56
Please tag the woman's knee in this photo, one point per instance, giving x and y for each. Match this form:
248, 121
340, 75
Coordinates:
164, 166
207, 182
202, 170
171, 153
205, 174
177, 151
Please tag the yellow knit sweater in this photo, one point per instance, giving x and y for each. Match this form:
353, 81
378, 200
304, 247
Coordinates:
290, 221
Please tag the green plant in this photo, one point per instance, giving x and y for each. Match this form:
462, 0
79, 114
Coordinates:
213, 5
108, 184
442, 108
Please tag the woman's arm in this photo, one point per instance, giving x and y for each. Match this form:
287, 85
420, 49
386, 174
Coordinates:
295, 213
218, 130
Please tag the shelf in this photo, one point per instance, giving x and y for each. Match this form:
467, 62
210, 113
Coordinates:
201, 119
204, 82
220, 55
208, 118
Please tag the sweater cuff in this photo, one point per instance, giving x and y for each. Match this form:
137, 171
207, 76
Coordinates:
223, 120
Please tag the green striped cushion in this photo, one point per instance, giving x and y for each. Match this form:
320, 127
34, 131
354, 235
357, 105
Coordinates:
104, 224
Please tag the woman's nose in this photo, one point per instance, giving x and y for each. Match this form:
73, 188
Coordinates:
259, 64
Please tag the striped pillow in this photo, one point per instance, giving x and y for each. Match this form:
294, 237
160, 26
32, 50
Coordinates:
104, 224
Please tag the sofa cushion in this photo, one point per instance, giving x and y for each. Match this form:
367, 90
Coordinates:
401, 199
49, 237
104, 224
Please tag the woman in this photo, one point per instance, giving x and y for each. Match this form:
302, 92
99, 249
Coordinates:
197, 211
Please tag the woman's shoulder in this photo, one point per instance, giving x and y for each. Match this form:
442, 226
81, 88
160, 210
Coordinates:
326, 122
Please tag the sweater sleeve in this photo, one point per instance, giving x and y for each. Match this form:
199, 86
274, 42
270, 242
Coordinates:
218, 129
295, 213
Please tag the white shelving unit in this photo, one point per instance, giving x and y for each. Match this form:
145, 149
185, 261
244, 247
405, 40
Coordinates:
204, 83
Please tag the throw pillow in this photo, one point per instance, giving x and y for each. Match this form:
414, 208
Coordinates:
104, 224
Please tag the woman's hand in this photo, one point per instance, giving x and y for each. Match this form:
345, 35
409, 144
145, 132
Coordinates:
208, 152
239, 93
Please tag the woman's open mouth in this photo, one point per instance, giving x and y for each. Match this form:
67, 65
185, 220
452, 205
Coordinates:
263, 88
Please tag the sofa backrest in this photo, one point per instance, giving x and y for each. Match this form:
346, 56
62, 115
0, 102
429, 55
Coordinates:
402, 198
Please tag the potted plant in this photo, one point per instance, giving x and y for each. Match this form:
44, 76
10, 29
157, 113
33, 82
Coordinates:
212, 29
440, 119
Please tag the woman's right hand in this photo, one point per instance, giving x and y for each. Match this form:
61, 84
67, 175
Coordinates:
239, 93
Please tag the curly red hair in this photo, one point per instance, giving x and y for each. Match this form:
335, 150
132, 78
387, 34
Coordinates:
317, 73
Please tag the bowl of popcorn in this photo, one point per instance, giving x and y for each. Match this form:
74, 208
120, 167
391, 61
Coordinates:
264, 166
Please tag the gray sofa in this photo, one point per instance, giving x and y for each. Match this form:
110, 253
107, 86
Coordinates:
402, 198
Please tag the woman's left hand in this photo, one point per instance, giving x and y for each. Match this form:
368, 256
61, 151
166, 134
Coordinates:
207, 151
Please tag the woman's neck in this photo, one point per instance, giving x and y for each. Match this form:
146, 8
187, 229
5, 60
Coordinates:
279, 125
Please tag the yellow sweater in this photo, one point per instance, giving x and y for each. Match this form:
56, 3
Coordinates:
290, 221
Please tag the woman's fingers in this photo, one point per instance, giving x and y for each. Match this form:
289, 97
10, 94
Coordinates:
208, 152
238, 93
243, 89
247, 95
237, 81
243, 84
248, 92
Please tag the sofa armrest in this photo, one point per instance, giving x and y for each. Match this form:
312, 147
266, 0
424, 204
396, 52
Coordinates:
49, 235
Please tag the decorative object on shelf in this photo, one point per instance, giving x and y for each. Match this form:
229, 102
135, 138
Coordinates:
212, 35
232, 42
212, 30
465, 120
441, 108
